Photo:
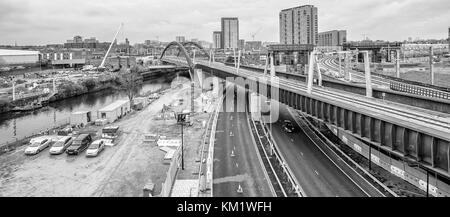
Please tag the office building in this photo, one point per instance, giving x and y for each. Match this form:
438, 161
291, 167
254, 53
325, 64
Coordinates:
230, 33
180, 39
299, 25
241, 44
332, 38
217, 39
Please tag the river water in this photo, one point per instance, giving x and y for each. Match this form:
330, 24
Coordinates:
14, 127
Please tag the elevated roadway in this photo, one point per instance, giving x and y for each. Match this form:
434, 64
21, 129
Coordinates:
414, 134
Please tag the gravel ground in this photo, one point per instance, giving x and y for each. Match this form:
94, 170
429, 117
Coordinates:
120, 171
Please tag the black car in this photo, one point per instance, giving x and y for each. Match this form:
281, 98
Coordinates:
80, 144
288, 126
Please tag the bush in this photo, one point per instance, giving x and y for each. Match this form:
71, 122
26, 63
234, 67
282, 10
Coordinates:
89, 84
4, 105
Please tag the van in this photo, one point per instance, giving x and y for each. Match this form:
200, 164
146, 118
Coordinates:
80, 144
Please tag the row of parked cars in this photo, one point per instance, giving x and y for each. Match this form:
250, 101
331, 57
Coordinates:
67, 144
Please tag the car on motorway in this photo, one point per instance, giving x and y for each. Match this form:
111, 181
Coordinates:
79, 144
61, 145
37, 145
95, 148
288, 126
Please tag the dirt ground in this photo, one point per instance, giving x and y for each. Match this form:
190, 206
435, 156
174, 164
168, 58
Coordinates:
122, 170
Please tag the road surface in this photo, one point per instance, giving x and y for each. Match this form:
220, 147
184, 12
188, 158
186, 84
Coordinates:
233, 135
317, 175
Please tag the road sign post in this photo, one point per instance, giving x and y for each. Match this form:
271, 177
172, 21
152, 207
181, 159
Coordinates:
181, 120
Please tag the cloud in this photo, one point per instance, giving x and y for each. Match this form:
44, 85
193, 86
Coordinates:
54, 21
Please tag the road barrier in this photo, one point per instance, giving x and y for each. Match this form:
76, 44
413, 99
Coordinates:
287, 170
335, 149
206, 181
418, 90
171, 174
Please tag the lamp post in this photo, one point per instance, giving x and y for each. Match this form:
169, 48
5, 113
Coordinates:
417, 165
181, 120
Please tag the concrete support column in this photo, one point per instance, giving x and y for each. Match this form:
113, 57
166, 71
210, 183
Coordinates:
239, 62
368, 75
267, 65
272, 66
347, 66
397, 64
280, 55
431, 66
311, 72
14, 90
193, 59
234, 58
318, 71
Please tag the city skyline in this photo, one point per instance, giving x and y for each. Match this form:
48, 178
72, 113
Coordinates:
55, 21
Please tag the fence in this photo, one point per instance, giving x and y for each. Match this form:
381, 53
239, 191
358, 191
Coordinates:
171, 174
418, 90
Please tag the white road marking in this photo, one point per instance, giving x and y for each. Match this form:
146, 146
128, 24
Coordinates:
316, 172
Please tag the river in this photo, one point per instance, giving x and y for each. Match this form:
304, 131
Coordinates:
14, 127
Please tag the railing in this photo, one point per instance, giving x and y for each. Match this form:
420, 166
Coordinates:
418, 90
205, 182
287, 170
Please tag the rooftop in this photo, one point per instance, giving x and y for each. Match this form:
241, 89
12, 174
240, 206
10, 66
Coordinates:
4, 52
114, 105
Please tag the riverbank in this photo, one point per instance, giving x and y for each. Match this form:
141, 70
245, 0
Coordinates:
119, 171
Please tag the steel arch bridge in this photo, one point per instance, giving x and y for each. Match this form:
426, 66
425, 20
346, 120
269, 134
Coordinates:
182, 47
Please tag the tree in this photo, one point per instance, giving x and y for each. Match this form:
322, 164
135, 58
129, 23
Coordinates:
131, 83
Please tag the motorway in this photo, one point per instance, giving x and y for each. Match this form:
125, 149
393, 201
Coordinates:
330, 64
233, 135
316, 174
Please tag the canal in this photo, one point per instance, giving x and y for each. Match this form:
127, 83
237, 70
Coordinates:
14, 127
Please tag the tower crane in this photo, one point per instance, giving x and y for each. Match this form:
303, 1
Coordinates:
102, 65
254, 34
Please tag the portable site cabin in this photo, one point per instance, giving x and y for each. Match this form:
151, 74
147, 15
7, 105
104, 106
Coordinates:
142, 100
140, 103
114, 111
81, 117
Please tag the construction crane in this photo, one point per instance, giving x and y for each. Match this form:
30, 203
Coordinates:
102, 65
254, 34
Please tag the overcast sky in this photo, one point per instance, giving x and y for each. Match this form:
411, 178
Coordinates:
55, 21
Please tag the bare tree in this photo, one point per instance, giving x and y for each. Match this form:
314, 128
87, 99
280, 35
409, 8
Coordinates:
131, 83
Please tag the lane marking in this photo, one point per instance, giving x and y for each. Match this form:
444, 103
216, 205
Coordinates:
316, 172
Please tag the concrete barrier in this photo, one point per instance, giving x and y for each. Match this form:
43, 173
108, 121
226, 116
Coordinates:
171, 174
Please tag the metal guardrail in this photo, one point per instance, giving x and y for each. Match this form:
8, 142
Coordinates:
418, 90
287, 170
209, 161
320, 136
267, 157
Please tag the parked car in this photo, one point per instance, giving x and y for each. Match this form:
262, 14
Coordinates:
288, 126
95, 148
80, 144
61, 145
37, 145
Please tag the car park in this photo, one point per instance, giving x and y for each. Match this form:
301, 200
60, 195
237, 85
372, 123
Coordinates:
80, 144
95, 148
61, 145
37, 145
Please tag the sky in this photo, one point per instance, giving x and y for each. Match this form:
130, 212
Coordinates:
39, 22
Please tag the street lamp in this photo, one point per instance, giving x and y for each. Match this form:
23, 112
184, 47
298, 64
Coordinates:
417, 165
